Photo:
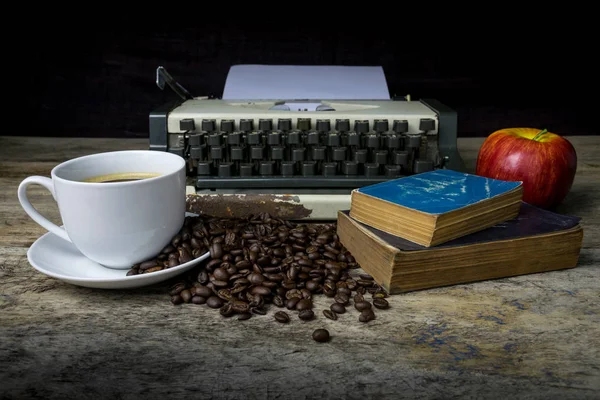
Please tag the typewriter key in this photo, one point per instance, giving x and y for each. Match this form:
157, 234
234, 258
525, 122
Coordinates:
361, 126
323, 125
284, 124
342, 125
381, 125
265, 124
400, 126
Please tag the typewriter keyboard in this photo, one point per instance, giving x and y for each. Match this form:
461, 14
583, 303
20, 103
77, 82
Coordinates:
331, 154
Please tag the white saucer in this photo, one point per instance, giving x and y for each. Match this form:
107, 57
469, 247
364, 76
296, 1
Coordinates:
59, 259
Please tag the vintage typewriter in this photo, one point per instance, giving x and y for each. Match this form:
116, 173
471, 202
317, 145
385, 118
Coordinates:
303, 147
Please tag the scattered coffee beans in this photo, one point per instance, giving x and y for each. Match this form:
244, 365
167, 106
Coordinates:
261, 261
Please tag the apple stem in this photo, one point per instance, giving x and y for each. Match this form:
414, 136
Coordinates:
536, 137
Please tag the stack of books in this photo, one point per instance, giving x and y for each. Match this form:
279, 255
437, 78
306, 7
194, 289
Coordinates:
445, 227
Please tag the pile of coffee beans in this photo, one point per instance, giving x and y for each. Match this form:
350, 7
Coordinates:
260, 261
185, 246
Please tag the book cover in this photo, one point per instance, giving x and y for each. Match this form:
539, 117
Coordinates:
530, 221
438, 191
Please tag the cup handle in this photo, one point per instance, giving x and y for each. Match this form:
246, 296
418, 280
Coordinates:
33, 213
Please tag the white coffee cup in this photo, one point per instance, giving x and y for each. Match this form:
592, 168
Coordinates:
116, 224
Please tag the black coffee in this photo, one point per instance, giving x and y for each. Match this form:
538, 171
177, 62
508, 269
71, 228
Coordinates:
121, 177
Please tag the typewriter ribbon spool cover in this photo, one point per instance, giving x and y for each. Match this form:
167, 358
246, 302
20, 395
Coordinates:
295, 140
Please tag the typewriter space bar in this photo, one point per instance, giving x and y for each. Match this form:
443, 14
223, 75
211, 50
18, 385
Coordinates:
262, 182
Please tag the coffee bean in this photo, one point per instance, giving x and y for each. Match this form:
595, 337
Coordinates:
147, 264
255, 300
304, 304
244, 316
216, 251
306, 315
153, 269
204, 291
380, 303
338, 308
214, 302
186, 295
366, 315
365, 282
362, 305
282, 316
259, 311
330, 314
321, 335
177, 288
290, 304
218, 283
358, 298
240, 306
342, 298
262, 290
221, 274
227, 310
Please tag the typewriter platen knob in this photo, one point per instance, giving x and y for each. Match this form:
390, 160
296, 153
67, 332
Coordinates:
323, 125
361, 126
284, 124
400, 126
381, 125
246, 125
209, 125
265, 124
227, 125
304, 124
342, 125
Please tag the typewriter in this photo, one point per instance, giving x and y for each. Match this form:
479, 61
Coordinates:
306, 147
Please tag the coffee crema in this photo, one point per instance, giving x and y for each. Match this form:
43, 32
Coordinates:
121, 177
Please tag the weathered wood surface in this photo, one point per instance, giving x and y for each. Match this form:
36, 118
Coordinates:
535, 336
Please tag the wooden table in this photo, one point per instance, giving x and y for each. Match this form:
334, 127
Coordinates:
535, 336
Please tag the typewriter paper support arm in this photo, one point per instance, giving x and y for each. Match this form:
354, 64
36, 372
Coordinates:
162, 77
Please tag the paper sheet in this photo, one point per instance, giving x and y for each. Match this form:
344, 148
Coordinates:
293, 82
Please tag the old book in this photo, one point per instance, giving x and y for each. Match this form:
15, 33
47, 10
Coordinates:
437, 206
535, 241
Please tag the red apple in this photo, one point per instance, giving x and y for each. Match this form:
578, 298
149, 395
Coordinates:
545, 162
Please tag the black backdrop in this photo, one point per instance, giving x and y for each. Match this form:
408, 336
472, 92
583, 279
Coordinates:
99, 81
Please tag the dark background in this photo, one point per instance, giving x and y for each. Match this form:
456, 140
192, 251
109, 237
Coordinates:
99, 80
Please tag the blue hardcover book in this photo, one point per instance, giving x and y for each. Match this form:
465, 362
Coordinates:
437, 206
